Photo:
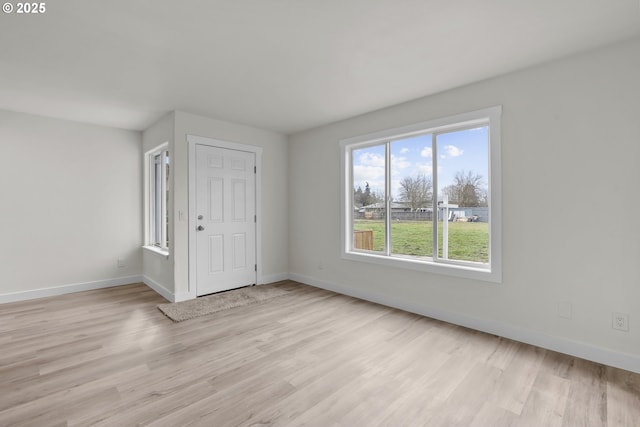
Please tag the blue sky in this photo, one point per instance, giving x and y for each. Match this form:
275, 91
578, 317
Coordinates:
457, 151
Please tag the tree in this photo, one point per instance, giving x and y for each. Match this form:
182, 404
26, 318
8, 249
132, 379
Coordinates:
377, 196
416, 190
467, 190
357, 197
366, 197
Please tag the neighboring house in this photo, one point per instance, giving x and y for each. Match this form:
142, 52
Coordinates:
402, 211
377, 210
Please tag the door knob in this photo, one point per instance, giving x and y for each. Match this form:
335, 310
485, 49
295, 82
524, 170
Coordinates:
200, 228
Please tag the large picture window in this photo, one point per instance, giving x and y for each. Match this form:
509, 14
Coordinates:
426, 196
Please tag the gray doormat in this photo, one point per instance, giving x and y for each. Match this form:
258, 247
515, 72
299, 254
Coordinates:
209, 304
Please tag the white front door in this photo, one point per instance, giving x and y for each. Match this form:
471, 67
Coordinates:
225, 219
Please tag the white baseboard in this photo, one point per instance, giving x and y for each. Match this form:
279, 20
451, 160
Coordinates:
67, 289
184, 296
161, 290
273, 278
582, 350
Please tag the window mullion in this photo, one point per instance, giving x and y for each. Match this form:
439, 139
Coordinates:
157, 238
152, 198
387, 190
163, 193
434, 182
351, 202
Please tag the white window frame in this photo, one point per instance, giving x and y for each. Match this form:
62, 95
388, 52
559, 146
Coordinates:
491, 272
156, 234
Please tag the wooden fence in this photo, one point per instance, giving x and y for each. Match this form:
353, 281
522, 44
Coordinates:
363, 239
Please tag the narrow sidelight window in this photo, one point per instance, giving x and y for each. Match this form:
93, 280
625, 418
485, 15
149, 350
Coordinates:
159, 197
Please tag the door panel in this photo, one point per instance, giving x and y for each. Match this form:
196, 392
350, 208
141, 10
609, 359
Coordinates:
216, 200
225, 202
239, 251
216, 254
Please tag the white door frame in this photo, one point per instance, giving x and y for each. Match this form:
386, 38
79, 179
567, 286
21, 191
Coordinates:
192, 141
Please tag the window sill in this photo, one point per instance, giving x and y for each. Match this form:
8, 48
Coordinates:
157, 251
467, 272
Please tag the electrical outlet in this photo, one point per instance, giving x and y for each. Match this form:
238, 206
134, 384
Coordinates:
620, 321
121, 263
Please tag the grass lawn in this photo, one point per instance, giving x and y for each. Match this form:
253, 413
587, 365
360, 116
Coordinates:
468, 241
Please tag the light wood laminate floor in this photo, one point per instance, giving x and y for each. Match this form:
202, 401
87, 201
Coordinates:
110, 358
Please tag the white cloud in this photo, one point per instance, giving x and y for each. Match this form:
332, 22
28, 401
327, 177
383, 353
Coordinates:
452, 151
399, 163
404, 150
374, 175
425, 168
371, 159
426, 152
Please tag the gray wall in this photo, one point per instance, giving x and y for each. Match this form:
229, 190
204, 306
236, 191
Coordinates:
570, 133
70, 203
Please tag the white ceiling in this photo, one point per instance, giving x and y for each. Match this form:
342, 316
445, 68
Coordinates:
284, 65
